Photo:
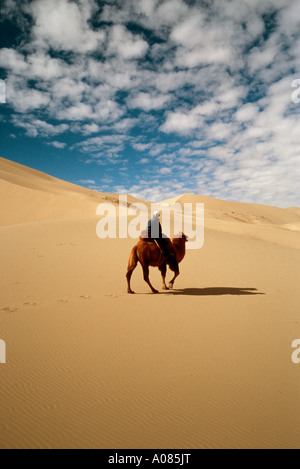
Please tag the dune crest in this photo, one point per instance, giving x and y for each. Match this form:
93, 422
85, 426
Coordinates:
242, 212
30, 196
267, 223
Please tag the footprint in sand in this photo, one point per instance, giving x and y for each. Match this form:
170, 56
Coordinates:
85, 297
62, 301
8, 309
30, 304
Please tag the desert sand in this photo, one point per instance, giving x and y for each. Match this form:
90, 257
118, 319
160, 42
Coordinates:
207, 365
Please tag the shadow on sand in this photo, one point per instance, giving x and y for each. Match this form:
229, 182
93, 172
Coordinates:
217, 291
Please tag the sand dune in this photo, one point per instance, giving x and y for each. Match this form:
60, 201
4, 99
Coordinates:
261, 222
207, 365
222, 210
29, 196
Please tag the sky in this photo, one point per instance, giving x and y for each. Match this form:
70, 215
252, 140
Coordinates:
155, 98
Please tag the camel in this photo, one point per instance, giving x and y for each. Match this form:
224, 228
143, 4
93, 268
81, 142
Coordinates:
149, 254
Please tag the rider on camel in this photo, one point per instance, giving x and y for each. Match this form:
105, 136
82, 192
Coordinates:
155, 233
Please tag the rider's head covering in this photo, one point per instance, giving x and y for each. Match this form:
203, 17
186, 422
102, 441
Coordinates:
156, 214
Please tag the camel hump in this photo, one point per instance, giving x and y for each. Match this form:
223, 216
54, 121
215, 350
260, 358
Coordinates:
144, 236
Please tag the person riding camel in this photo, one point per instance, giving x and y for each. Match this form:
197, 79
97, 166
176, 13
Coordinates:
155, 234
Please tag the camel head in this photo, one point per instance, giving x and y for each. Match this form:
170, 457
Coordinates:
179, 243
181, 236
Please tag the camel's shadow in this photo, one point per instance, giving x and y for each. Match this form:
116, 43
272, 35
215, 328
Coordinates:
215, 291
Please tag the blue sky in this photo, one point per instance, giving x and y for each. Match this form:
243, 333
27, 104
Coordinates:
155, 97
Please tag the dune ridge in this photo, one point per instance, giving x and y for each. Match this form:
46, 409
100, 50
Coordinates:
207, 365
30, 196
266, 223
241, 212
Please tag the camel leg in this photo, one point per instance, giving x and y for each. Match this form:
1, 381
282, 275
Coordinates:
133, 262
146, 278
163, 270
128, 276
171, 285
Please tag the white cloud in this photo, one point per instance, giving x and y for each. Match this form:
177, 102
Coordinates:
104, 112
229, 96
43, 67
171, 80
221, 131
189, 32
171, 11
89, 129
14, 61
124, 125
148, 102
36, 127
146, 7
181, 123
165, 171
63, 25
24, 99
207, 108
157, 149
80, 112
289, 18
151, 14
247, 112
201, 42
200, 56
103, 148
58, 145
141, 146
69, 90
87, 181
260, 58
128, 46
